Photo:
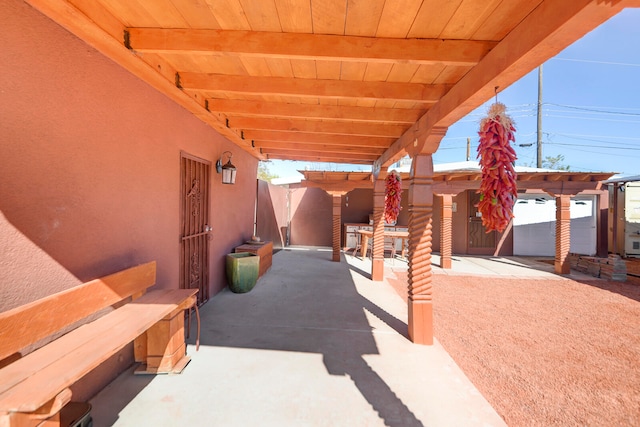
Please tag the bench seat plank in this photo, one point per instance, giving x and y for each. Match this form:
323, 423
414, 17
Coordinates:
35, 379
40, 359
23, 326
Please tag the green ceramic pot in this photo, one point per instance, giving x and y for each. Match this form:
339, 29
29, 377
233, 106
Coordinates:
242, 271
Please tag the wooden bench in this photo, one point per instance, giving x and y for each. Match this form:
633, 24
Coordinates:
35, 387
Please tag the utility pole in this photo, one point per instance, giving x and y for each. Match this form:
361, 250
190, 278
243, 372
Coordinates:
539, 157
468, 148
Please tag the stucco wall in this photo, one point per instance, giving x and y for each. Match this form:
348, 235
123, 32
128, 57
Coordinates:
271, 213
90, 166
311, 217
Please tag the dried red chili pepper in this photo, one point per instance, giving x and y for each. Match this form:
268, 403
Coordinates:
392, 197
498, 190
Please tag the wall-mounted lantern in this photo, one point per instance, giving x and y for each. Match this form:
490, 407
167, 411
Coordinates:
228, 170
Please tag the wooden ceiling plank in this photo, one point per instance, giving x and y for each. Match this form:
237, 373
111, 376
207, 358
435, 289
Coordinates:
432, 17
469, 17
309, 46
197, 13
163, 12
315, 126
493, 27
128, 12
102, 16
314, 88
295, 16
229, 14
551, 27
314, 111
304, 69
363, 17
317, 138
397, 18
328, 16
261, 14
279, 67
328, 70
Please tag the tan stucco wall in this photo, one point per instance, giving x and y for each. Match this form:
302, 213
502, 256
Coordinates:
90, 167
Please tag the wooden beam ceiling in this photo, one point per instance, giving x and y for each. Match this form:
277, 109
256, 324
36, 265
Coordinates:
320, 81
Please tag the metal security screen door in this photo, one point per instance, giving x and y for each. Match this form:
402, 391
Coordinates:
195, 225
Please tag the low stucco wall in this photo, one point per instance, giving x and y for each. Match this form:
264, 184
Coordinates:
90, 169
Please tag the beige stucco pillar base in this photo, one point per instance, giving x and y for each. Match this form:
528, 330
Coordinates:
421, 322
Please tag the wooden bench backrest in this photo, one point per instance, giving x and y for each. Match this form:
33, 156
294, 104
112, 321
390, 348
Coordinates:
27, 324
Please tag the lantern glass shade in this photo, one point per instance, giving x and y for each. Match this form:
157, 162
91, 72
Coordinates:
228, 173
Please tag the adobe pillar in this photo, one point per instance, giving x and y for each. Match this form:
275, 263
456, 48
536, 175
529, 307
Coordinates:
420, 274
377, 243
336, 197
445, 230
562, 263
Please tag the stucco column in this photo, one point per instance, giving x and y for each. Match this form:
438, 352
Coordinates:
420, 274
377, 243
563, 234
446, 227
337, 223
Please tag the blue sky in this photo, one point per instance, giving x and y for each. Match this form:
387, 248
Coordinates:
590, 110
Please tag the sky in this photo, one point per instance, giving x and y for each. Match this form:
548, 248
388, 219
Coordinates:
590, 108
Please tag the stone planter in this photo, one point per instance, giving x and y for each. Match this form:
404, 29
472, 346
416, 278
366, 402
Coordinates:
242, 271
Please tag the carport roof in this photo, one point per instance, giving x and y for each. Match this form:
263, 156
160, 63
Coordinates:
360, 82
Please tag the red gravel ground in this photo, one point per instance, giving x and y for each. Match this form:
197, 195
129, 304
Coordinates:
544, 352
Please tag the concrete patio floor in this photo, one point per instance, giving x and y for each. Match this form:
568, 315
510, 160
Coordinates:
315, 343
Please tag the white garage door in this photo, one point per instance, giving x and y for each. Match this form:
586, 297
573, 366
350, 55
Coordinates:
534, 225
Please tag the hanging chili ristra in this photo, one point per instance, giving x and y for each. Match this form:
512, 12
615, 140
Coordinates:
498, 190
392, 197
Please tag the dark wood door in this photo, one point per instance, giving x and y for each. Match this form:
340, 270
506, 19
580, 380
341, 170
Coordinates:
195, 226
479, 242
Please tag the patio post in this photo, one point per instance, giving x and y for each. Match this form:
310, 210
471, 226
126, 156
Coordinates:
562, 263
377, 244
446, 222
336, 197
420, 320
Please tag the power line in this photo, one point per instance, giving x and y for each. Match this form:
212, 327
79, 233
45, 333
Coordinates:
591, 61
595, 110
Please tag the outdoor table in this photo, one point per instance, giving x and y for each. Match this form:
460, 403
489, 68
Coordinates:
366, 235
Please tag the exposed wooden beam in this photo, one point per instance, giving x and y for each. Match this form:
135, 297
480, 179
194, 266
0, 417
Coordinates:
548, 29
316, 126
313, 111
266, 145
338, 89
338, 186
313, 156
309, 46
317, 138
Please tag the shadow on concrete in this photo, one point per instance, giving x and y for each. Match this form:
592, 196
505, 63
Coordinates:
310, 304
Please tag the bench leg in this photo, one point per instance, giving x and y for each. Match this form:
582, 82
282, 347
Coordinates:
163, 347
46, 416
